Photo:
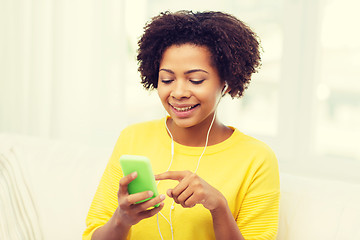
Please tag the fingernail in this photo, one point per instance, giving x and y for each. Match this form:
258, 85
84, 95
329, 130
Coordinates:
133, 174
150, 193
162, 197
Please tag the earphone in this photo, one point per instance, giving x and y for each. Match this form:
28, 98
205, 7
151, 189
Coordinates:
171, 160
223, 91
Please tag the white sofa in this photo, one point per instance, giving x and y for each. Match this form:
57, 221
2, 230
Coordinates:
57, 181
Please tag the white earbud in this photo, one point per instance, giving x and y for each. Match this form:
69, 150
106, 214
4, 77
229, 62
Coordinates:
223, 92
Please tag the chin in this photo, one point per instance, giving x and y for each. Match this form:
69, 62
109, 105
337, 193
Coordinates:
183, 123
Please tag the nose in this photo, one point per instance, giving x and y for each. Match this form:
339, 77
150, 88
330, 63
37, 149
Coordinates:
180, 90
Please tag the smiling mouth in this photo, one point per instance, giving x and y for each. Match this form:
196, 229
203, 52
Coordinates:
184, 109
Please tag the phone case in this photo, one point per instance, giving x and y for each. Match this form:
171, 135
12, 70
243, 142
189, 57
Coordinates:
145, 180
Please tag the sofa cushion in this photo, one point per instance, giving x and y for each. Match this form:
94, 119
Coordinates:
18, 215
313, 209
63, 177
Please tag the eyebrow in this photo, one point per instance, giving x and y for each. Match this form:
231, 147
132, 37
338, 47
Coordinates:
187, 72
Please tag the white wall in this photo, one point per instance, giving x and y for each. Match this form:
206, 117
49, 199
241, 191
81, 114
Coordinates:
68, 71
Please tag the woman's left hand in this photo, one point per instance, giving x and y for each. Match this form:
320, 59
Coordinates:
192, 190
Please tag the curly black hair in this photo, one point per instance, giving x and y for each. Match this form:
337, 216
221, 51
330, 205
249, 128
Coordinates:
233, 45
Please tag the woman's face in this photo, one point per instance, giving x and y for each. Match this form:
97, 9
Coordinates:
189, 85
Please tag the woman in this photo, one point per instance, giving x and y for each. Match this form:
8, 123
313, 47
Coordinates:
219, 182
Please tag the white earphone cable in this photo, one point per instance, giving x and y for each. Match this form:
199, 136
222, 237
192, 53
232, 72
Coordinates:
197, 167
171, 160
206, 142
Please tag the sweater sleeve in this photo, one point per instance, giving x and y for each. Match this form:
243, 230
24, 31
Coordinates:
259, 213
105, 200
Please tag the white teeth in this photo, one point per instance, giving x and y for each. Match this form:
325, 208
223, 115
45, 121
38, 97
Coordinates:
183, 109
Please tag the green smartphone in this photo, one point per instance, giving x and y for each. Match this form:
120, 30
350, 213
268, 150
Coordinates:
145, 180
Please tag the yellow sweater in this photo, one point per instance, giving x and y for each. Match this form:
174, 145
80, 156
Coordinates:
243, 169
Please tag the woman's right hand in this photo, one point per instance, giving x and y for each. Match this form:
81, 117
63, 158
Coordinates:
130, 212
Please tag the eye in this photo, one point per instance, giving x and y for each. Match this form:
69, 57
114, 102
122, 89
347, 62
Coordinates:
197, 81
166, 81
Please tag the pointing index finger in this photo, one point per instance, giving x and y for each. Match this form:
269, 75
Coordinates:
171, 175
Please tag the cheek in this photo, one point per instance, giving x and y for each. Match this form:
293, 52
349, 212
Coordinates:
209, 99
162, 93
